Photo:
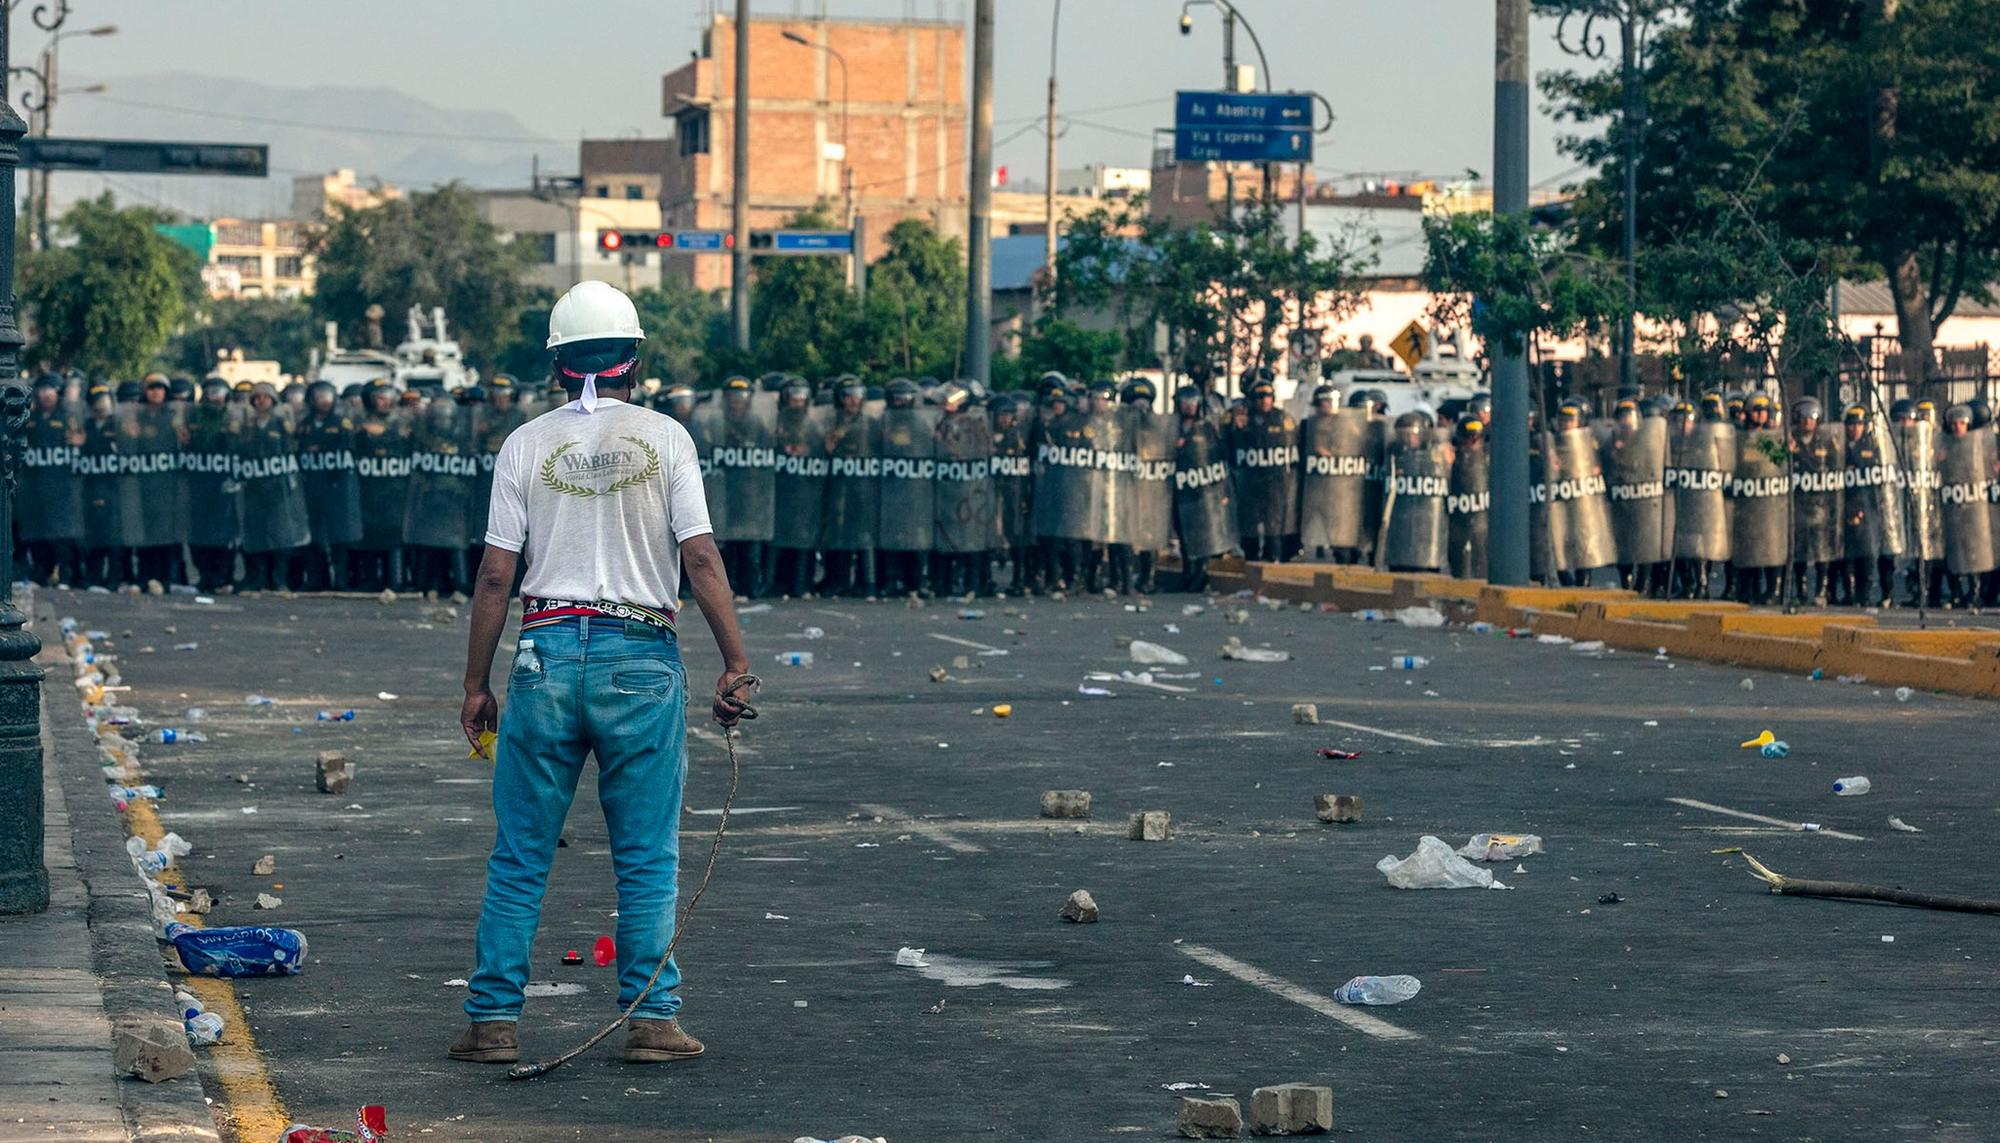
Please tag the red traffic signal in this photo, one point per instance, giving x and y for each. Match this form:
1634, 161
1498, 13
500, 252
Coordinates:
610, 240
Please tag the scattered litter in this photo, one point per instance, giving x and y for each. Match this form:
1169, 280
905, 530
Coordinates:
1903, 694
1184, 1086
1651, 722
972, 613
1305, 714
604, 951
1172, 628
205, 599
572, 957
259, 700
907, 957
1763, 739
1433, 865
1610, 899
1778, 749
1554, 640
795, 658
187, 646
1408, 662
238, 950
754, 609
1003, 710
1852, 787
1378, 990
1587, 648
776, 917
813, 633
1337, 755
1855, 891
1095, 692
456, 982
334, 716
1191, 982
385, 696
1420, 617
1887, 939
940, 675
1234, 649
1153, 654
1901, 826
1501, 846
1851, 680
249, 809
1190, 610
1748, 684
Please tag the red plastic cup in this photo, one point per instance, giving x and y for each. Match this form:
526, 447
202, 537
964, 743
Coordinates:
604, 952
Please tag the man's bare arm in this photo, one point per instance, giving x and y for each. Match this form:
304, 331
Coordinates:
490, 595
710, 584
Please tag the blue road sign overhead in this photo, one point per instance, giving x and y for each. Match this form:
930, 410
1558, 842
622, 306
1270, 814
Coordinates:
812, 241
698, 239
1231, 127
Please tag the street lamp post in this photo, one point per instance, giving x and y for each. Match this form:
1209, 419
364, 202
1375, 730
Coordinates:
1049, 165
1230, 18
40, 102
846, 164
24, 879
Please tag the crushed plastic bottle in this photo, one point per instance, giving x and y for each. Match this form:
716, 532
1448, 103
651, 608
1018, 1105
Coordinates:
1378, 990
334, 716
189, 1004
795, 658
371, 1125
241, 950
154, 861
1408, 662
1156, 655
1777, 749
814, 633
1370, 615
1420, 617
1852, 787
124, 794
170, 736
204, 1029
259, 700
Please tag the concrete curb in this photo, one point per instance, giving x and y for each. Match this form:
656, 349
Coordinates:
126, 957
1962, 661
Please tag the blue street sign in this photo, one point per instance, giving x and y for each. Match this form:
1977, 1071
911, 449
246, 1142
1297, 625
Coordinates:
1231, 127
812, 241
698, 239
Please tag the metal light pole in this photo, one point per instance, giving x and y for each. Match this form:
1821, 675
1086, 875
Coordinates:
24, 880
41, 103
1230, 18
739, 187
846, 164
979, 229
1507, 520
1049, 166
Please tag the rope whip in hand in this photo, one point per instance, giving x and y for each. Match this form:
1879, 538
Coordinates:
745, 712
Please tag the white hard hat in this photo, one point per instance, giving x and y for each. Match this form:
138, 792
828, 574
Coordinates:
593, 311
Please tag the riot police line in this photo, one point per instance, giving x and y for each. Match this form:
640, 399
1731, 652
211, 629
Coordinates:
924, 487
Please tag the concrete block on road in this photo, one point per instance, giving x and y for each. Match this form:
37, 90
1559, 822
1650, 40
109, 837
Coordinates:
1291, 1109
264, 866
1152, 825
1305, 713
1065, 803
1081, 908
1337, 807
334, 773
151, 1047
1210, 1118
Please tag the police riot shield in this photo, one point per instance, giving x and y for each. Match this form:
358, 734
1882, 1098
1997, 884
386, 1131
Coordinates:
382, 474
1333, 470
1465, 512
48, 504
1917, 446
1148, 512
326, 472
444, 470
1548, 516
963, 495
208, 466
743, 464
1588, 539
909, 477
1204, 494
1871, 498
1967, 477
1703, 460
1264, 455
1635, 469
1818, 465
1118, 462
1071, 490
274, 499
1761, 490
853, 482
1419, 482
490, 429
111, 507
151, 449
798, 484
1374, 450
1014, 485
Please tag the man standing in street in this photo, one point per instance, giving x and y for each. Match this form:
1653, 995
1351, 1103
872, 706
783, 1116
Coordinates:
604, 500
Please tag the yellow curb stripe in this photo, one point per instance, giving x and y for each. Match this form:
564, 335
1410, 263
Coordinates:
251, 1111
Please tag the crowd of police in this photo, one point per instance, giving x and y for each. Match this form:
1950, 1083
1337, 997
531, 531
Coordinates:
926, 487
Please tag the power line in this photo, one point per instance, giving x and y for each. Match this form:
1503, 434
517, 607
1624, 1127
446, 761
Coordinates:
342, 129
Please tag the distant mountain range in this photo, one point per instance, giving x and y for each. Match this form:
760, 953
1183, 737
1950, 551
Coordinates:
378, 132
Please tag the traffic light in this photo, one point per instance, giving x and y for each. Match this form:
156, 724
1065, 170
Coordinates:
614, 240
760, 240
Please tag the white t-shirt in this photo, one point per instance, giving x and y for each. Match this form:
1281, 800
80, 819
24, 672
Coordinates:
600, 503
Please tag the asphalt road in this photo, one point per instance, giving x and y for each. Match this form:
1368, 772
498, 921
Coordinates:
879, 809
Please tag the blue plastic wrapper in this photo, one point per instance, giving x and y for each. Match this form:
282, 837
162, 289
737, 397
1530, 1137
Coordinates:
242, 950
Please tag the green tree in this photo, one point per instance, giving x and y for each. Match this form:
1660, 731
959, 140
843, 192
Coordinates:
1056, 344
278, 328
433, 248
1852, 136
683, 325
914, 320
802, 313
1509, 281
108, 296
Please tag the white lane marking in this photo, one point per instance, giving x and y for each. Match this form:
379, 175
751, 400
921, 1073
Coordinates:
1285, 989
734, 810
979, 647
890, 815
1395, 734
1795, 827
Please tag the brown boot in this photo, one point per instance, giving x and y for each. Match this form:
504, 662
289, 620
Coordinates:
658, 1042
487, 1042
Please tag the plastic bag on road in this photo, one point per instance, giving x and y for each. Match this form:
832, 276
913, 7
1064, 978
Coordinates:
1434, 866
1420, 617
1152, 654
1501, 846
1234, 649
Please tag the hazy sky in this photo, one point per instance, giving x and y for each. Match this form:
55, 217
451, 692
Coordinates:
1410, 80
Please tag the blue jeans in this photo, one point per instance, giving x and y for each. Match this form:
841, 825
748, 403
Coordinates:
618, 690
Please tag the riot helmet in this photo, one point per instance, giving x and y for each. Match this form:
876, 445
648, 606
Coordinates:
900, 393
1138, 391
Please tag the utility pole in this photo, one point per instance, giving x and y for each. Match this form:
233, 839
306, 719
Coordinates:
24, 880
978, 237
1228, 194
739, 187
1507, 543
1629, 118
1049, 192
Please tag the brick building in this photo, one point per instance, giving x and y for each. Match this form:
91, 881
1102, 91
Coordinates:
886, 144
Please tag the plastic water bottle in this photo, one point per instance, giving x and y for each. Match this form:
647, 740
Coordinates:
796, 658
259, 700
335, 716
169, 736
1408, 662
204, 1029
1377, 990
1851, 787
1368, 615
244, 950
525, 658
132, 793
189, 1004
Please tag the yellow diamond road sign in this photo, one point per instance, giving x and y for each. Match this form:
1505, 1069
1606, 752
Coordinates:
1412, 345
